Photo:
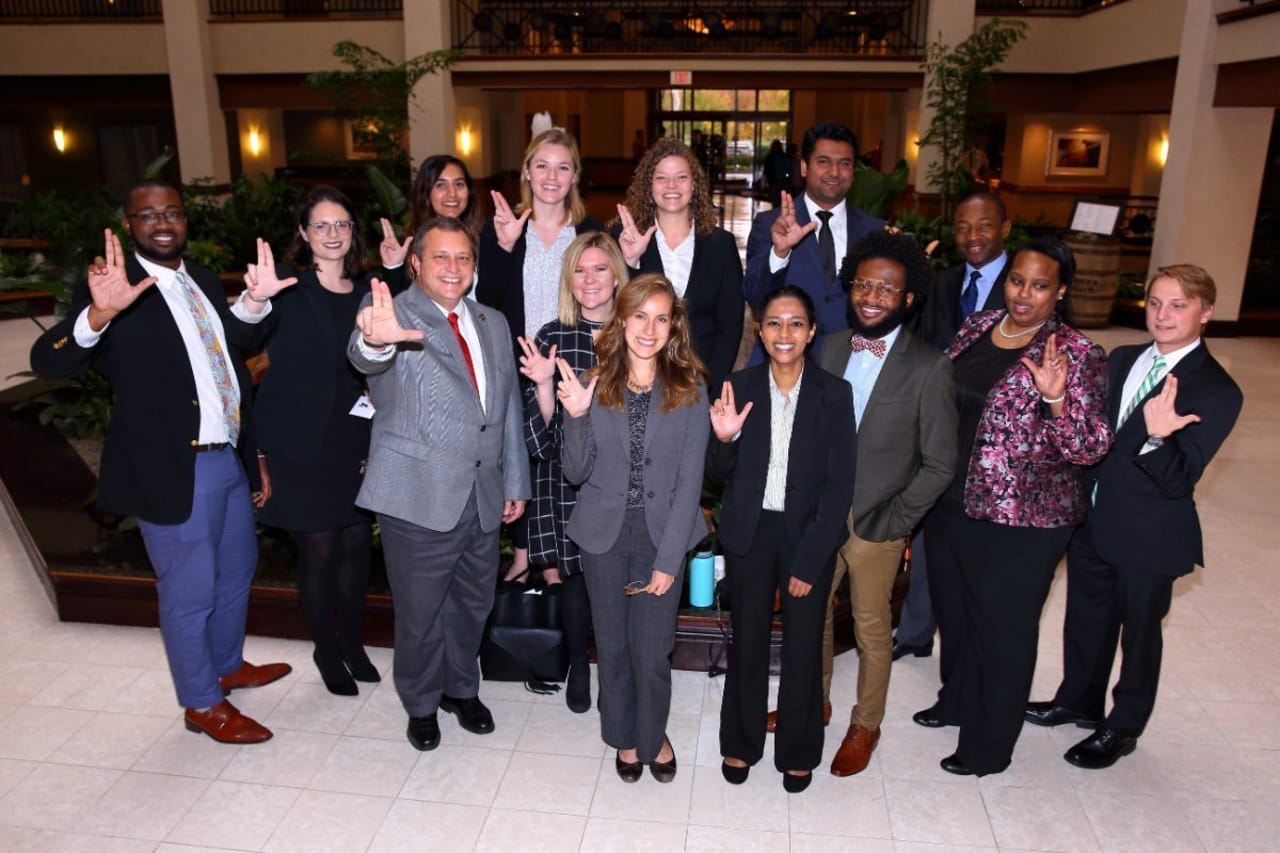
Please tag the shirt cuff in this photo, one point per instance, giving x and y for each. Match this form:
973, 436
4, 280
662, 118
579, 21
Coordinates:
776, 263
373, 354
241, 312
84, 334
393, 266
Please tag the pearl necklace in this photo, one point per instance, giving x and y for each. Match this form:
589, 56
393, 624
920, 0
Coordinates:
1000, 329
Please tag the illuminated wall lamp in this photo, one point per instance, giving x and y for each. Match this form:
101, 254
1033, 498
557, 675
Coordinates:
1164, 150
255, 142
59, 139
465, 141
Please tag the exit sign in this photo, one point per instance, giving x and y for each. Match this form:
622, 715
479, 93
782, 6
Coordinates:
681, 78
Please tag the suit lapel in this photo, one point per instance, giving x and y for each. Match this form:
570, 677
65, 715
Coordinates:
808, 411
155, 309
488, 352
894, 364
1124, 362
440, 337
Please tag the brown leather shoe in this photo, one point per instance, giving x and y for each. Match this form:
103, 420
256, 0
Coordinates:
855, 751
249, 675
771, 721
225, 724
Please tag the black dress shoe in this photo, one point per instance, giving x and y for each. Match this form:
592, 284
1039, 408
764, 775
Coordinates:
1101, 749
424, 732
664, 771
628, 771
734, 775
1049, 714
951, 764
471, 713
930, 718
793, 784
901, 650
334, 674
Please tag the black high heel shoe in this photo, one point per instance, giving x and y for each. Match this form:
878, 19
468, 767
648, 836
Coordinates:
358, 663
334, 674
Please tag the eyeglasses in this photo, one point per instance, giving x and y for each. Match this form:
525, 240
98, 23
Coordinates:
636, 587
340, 226
868, 286
153, 217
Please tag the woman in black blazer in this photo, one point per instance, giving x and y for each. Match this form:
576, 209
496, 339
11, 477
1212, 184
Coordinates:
668, 206
785, 511
442, 187
313, 440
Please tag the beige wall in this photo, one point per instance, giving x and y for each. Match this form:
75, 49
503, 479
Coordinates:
269, 125
296, 47
1025, 166
83, 49
1125, 34
1252, 38
1150, 151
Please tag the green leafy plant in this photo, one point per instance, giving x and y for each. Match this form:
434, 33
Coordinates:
223, 224
874, 192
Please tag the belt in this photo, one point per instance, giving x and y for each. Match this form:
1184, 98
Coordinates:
206, 448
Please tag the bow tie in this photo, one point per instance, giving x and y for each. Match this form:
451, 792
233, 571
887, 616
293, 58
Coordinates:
876, 347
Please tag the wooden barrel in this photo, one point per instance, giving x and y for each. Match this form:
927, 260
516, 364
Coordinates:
1093, 292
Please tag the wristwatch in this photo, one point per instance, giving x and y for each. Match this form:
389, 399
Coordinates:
1154, 441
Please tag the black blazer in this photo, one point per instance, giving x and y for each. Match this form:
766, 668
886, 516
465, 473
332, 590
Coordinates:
1144, 515
297, 390
713, 298
500, 283
937, 319
820, 468
149, 457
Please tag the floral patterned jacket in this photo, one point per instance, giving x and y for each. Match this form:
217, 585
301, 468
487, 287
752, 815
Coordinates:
1028, 469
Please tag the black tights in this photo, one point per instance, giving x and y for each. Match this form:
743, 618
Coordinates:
333, 577
575, 617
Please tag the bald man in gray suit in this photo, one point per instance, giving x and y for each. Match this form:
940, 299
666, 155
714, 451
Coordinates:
447, 466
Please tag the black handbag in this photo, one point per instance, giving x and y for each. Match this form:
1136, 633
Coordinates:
523, 640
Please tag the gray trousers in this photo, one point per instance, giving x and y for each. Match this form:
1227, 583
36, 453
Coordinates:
442, 587
634, 639
915, 624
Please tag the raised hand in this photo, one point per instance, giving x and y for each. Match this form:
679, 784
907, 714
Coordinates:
575, 398
1161, 417
260, 279
391, 251
377, 321
506, 224
726, 420
632, 241
1050, 375
786, 233
535, 366
109, 289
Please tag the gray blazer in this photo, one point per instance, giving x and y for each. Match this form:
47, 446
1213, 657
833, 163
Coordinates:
596, 454
431, 443
907, 440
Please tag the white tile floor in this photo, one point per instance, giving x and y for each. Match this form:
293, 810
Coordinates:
94, 757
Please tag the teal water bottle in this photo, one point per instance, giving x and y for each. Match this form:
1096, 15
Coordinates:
702, 579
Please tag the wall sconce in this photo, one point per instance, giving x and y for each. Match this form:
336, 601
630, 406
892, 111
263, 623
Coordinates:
465, 140
59, 139
255, 142
1164, 150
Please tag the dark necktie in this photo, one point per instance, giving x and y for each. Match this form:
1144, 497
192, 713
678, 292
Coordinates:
969, 298
827, 245
874, 346
466, 350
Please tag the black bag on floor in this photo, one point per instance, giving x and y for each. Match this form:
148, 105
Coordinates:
522, 639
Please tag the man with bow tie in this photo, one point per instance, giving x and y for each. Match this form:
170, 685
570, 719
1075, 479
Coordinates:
904, 406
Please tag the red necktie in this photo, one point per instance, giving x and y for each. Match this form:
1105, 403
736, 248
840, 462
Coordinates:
876, 347
466, 350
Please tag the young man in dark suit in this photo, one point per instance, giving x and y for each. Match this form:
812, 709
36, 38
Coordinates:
178, 453
780, 249
1171, 407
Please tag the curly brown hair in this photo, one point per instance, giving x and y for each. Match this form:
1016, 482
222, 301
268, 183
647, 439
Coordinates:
679, 370
640, 194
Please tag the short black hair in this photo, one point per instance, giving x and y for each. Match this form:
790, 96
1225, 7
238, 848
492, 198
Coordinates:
448, 224
826, 130
793, 291
986, 195
902, 249
1054, 249
150, 184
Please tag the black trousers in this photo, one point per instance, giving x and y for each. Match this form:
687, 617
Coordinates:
753, 578
1108, 606
1004, 577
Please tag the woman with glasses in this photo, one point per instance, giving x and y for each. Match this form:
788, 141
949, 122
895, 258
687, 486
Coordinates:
635, 441
312, 419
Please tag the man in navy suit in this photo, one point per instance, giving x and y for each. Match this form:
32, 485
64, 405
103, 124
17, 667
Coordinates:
804, 242
1171, 407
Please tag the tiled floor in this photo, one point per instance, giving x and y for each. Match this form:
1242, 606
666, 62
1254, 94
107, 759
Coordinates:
94, 757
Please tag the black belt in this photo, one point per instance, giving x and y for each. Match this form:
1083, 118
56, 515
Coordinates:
205, 448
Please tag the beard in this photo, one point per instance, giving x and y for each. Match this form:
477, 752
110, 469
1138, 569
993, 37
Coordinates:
886, 324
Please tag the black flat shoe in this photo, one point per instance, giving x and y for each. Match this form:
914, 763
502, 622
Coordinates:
734, 775
471, 713
424, 732
628, 771
1048, 714
951, 764
334, 674
929, 718
794, 784
577, 688
901, 650
1101, 749
664, 771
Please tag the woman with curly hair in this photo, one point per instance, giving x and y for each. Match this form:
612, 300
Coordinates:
635, 441
668, 225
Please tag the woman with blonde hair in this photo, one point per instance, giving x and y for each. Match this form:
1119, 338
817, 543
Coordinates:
635, 440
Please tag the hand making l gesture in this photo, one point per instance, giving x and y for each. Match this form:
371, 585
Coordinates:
575, 398
260, 280
506, 224
786, 232
1050, 375
377, 321
109, 289
726, 420
632, 240
1161, 417
391, 251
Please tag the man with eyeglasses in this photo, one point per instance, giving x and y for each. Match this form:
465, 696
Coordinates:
179, 454
905, 412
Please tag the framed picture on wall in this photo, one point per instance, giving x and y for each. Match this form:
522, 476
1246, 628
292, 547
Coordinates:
358, 140
1078, 153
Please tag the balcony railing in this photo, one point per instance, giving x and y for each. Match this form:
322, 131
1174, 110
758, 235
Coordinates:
1063, 8
230, 9
813, 27
12, 11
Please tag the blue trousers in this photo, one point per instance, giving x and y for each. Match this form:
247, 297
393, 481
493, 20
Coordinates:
204, 567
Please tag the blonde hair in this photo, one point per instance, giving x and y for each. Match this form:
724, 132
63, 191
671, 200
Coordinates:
570, 311
554, 136
1195, 282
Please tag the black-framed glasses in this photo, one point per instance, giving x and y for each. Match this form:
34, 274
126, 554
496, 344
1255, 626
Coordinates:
171, 215
338, 226
868, 286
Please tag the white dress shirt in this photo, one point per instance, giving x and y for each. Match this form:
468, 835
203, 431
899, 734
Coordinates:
839, 224
782, 417
677, 262
863, 370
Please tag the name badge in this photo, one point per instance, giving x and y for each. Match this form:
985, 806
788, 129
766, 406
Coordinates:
363, 408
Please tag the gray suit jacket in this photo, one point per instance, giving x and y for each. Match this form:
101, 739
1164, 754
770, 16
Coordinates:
431, 442
907, 438
596, 454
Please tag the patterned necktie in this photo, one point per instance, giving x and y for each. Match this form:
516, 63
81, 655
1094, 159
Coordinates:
969, 299
466, 350
1149, 381
218, 364
827, 245
875, 346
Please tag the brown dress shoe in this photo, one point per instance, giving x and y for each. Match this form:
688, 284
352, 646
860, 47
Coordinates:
249, 675
771, 721
855, 751
225, 724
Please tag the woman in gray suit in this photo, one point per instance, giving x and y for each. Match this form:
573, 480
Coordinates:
635, 440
